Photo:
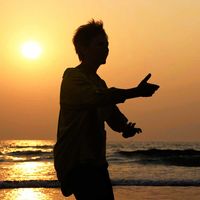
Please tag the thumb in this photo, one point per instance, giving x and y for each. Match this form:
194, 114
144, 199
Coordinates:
146, 78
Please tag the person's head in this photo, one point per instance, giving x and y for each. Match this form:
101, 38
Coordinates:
91, 41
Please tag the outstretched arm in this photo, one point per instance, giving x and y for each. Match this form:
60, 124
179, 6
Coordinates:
144, 89
118, 122
80, 93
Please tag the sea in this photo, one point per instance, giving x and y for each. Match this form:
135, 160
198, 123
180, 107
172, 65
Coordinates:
29, 164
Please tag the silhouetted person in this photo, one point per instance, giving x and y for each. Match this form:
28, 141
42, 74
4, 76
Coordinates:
85, 104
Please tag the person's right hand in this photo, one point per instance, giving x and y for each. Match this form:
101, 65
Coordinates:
147, 89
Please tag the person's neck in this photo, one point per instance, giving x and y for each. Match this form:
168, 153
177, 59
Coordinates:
89, 68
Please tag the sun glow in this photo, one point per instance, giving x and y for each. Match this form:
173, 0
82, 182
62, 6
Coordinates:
31, 49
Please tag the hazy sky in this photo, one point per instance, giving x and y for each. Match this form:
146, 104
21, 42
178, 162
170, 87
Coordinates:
157, 36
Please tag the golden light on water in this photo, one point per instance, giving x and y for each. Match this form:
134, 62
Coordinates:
31, 50
29, 171
30, 167
33, 194
27, 193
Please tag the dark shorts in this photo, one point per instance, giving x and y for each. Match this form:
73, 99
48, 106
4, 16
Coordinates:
90, 183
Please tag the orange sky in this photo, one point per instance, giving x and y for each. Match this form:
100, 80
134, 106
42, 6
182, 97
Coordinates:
157, 36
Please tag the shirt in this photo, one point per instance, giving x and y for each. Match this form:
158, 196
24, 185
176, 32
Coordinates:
85, 104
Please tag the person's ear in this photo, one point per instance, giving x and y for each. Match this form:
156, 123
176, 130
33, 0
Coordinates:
82, 51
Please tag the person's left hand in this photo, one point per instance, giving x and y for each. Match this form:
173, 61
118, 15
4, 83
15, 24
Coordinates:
130, 130
146, 89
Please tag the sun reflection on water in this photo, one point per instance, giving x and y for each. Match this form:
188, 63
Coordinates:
33, 194
29, 167
27, 160
28, 193
25, 194
31, 171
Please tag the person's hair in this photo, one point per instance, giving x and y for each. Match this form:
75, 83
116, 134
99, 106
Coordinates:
85, 33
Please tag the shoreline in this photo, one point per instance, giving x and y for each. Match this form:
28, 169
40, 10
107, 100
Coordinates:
121, 193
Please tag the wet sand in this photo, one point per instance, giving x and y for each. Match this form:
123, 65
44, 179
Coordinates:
121, 193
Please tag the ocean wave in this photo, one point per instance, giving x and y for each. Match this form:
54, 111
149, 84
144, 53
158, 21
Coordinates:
32, 159
120, 182
160, 152
35, 146
30, 184
146, 182
187, 157
29, 153
26, 156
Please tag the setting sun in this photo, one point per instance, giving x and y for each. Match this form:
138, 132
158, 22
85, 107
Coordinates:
31, 50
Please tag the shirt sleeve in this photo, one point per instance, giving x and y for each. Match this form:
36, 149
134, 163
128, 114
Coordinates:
78, 92
116, 120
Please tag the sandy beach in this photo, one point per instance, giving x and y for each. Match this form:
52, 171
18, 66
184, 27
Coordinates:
121, 193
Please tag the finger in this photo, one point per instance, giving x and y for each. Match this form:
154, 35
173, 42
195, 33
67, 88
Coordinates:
146, 78
154, 86
139, 130
130, 124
